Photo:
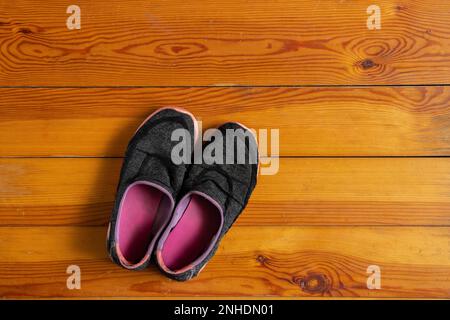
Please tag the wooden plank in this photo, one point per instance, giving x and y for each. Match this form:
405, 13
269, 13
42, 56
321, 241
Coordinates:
290, 42
318, 191
311, 121
252, 261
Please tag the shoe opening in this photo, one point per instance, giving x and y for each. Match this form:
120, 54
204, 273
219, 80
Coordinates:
198, 223
144, 211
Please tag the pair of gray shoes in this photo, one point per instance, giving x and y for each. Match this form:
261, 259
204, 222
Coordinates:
173, 208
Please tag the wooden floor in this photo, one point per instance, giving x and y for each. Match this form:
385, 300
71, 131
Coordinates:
364, 120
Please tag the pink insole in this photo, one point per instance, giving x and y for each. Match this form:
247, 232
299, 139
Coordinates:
137, 219
192, 235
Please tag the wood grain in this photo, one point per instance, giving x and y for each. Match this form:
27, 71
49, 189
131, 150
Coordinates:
257, 261
311, 121
289, 42
358, 191
70, 101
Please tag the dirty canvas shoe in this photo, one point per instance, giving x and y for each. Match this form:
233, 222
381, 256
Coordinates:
148, 187
215, 194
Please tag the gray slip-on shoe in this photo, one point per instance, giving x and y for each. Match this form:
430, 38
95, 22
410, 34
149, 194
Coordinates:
148, 187
214, 195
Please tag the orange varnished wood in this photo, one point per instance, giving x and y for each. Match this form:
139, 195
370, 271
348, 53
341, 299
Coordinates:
309, 231
311, 121
252, 261
376, 191
235, 42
